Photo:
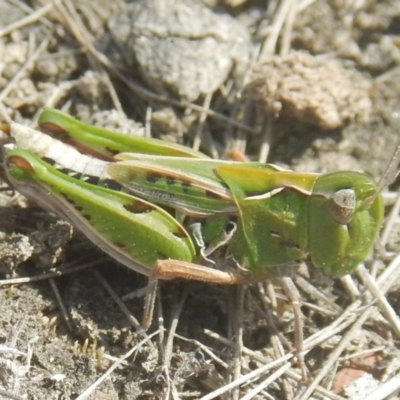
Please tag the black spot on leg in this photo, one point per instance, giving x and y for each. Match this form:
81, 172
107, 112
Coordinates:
81, 211
137, 207
52, 163
68, 199
153, 177
87, 217
78, 208
119, 245
111, 184
185, 186
114, 152
162, 256
170, 181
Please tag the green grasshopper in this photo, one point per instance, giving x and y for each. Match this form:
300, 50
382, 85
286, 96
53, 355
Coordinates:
264, 216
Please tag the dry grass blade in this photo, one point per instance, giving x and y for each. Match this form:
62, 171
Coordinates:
30, 19
69, 269
135, 323
6, 90
332, 359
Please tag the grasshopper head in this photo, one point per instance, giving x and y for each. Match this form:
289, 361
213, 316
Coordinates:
343, 223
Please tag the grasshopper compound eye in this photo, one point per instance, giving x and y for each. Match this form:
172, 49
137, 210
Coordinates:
342, 206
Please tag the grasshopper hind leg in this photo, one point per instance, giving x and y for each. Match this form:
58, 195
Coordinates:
172, 269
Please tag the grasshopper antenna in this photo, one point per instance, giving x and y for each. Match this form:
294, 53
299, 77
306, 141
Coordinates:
390, 174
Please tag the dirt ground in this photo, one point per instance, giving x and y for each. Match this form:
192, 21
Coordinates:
309, 85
